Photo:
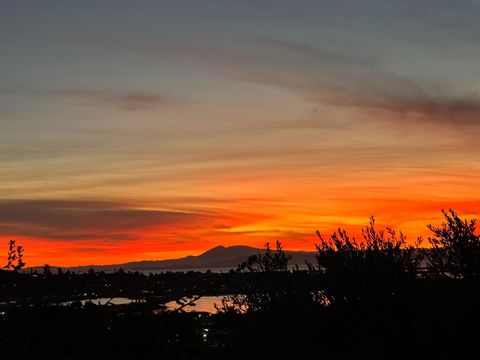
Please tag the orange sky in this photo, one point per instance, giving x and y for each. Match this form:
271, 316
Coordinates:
164, 129
92, 232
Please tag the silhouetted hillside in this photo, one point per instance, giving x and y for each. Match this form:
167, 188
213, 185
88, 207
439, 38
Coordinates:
215, 258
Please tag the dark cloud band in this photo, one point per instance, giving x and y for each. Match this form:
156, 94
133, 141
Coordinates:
79, 220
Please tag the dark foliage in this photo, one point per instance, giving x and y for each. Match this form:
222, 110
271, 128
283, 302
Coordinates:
374, 267
14, 257
375, 298
270, 286
455, 247
270, 261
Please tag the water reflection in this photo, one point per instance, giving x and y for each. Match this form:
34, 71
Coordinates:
203, 304
102, 301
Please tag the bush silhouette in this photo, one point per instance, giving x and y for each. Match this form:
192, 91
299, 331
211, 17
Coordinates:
455, 247
353, 269
270, 261
267, 288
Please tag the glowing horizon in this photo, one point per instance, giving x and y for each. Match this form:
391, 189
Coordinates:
162, 129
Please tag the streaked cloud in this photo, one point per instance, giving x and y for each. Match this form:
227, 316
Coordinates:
126, 101
84, 220
129, 100
333, 78
457, 112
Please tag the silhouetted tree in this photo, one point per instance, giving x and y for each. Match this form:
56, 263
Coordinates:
455, 247
352, 269
269, 261
267, 288
14, 257
20, 263
11, 255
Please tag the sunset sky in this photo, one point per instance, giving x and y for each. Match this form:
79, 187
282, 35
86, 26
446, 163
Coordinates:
135, 130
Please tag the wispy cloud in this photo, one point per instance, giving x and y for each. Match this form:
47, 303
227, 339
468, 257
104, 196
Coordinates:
327, 76
125, 101
452, 111
78, 220
128, 101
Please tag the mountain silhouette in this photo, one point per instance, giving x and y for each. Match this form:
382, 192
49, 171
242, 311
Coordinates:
219, 257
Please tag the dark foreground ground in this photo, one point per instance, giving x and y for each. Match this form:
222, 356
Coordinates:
96, 332
290, 318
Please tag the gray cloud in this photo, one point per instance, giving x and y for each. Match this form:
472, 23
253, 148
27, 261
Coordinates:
126, 101
441, 110
82, 220
121, 100
328, 76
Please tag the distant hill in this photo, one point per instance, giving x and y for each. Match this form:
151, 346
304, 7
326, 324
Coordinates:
219, 257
